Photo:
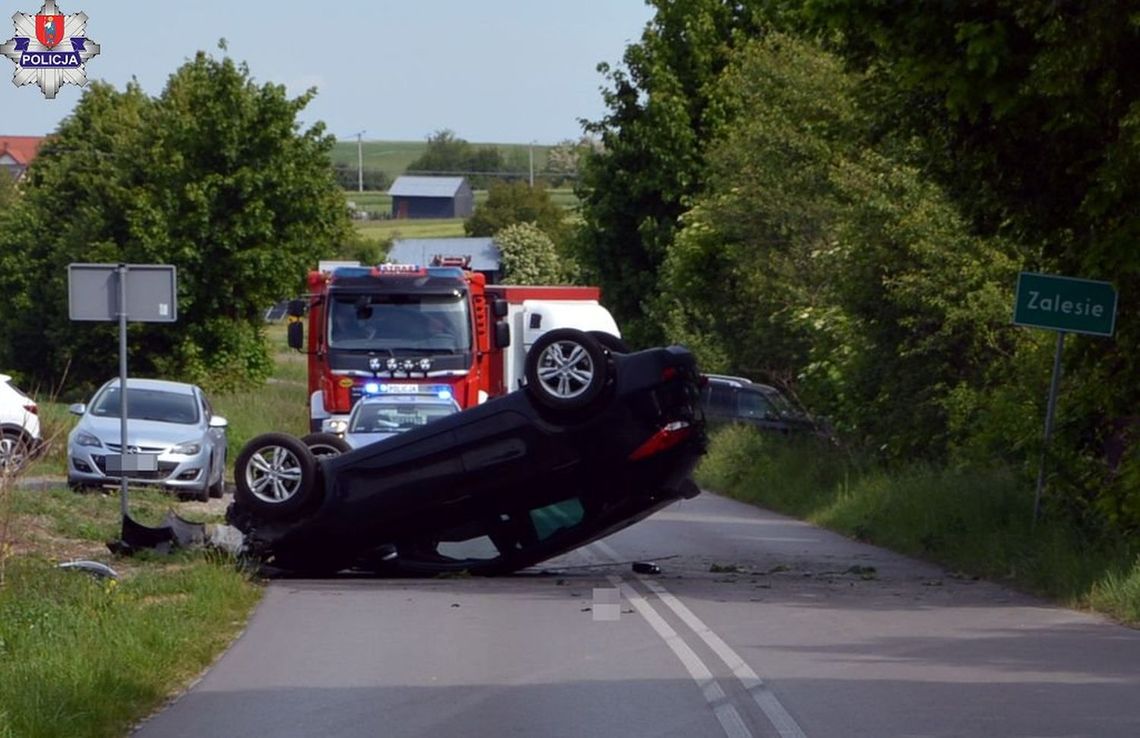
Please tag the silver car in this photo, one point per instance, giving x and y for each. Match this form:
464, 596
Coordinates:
169, 419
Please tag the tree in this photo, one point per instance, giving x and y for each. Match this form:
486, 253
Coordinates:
509, 203
8, 191
448, 154
213, 176
1029, 112
529, 256
633, 191
813, 259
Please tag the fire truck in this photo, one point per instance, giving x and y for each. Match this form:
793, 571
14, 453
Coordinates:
440, 329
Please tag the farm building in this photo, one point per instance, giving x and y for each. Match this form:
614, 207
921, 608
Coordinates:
17, 152
431, 197
482, 252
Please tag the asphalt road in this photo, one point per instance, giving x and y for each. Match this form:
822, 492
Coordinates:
757, 626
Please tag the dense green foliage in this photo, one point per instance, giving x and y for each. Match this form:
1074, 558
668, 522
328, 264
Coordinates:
529, 256
634, 190
212, 176
836, 196
7, 191
509, 203
848, 274
448, 154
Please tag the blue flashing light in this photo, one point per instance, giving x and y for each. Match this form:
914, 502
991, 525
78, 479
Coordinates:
407, 388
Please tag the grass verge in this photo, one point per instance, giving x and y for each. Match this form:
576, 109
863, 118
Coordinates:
976, 521
87, 656
81, 656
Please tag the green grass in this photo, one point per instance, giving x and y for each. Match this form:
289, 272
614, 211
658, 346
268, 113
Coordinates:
427, 228
977, 521
87, 657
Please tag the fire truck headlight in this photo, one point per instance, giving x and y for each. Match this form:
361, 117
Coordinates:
408, 365
425, 365
393, 364
370, 388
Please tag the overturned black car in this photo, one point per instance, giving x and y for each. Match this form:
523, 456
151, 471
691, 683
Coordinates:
595, 441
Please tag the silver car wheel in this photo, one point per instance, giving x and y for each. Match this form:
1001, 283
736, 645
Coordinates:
273, 474
13, 454
565, 369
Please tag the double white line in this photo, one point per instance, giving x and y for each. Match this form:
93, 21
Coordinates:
725, 712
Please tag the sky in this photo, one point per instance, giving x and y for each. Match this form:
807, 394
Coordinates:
492, 71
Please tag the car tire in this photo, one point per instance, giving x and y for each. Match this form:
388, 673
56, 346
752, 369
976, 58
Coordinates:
79, 487
275, 476
610, 342
325, 444
217, 490
566, 370
15, 453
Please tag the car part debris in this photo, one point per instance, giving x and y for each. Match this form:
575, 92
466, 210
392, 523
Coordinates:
92, 567
645, 567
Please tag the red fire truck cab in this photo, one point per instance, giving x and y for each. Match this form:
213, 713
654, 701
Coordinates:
437, 329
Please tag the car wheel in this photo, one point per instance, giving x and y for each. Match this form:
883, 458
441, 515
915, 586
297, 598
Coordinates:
218, 489
325, 444
275, 476
566, 369
78, 487
14, 453
610, 342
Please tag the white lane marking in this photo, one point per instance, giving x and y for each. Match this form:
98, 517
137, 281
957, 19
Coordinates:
726, 714
781, 720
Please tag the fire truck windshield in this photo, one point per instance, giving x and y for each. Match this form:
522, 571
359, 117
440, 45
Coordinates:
420, 323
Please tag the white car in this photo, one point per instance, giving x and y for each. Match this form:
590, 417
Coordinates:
169, 419
19, 427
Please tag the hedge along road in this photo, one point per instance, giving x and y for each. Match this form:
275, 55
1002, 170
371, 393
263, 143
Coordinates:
758, 625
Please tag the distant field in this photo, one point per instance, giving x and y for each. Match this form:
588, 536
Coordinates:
393, 157
410, 228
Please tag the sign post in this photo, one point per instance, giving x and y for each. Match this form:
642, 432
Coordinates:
1065, 305
140, 292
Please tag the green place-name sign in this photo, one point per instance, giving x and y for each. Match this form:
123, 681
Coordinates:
1065, 304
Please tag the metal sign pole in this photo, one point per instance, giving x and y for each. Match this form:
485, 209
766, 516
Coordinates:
1049, 410
122, 272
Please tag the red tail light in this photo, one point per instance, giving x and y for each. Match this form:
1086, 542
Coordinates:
31, 408
662, 440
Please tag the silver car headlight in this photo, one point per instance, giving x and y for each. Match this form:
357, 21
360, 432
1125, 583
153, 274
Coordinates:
188, 448
83, 438
337, 426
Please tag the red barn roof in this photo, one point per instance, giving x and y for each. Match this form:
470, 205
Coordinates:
21, 148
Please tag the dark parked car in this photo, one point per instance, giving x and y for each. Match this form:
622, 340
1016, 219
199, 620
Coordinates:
737, 400
595, 441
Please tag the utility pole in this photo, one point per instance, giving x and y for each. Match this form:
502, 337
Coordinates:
359, 162
532, 165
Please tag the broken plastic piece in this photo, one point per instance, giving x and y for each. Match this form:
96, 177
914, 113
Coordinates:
93, 567
646, 567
